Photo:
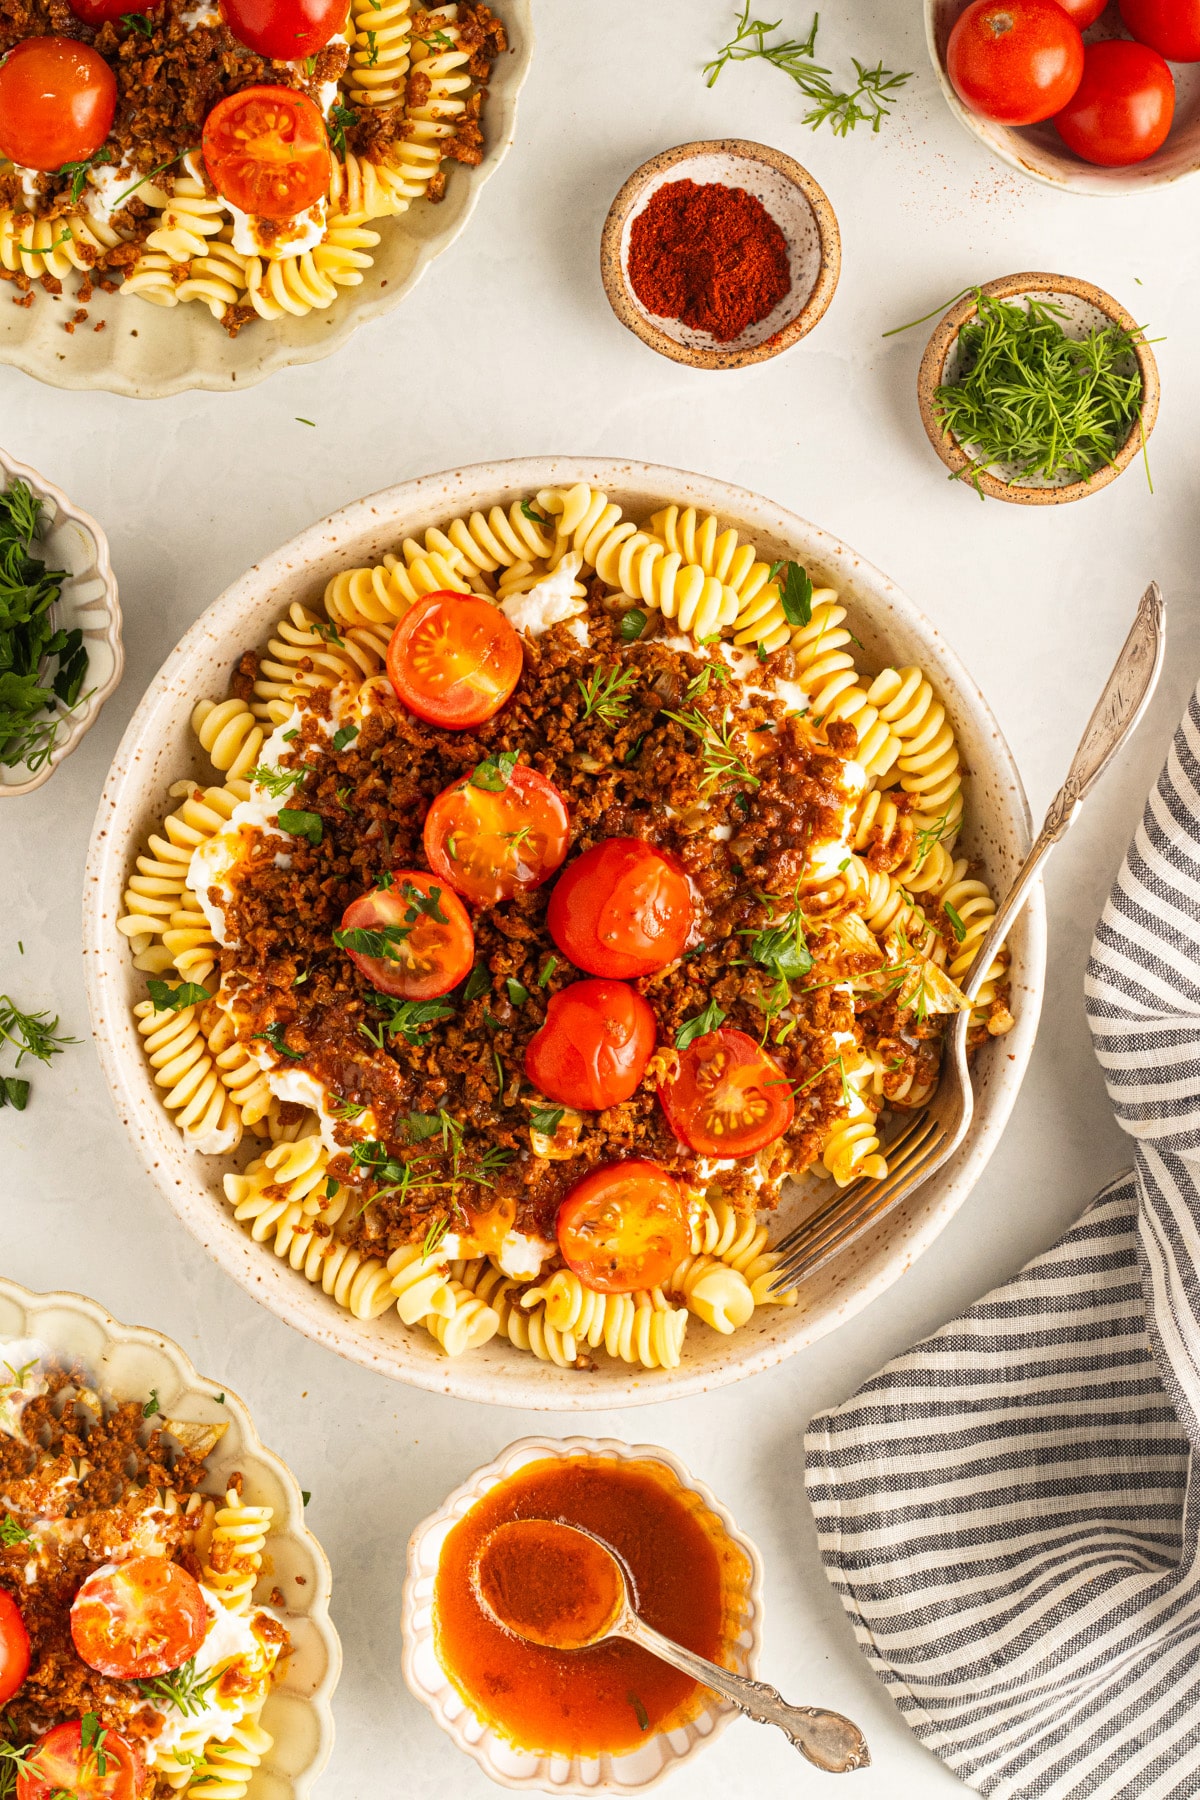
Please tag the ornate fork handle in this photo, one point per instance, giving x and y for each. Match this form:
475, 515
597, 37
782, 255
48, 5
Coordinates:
1124, 700
832, 1742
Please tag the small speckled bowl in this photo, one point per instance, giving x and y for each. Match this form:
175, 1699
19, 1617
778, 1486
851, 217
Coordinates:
1084, 307
125, 1362
72, 541
794, 200
1038, 152
501, 1761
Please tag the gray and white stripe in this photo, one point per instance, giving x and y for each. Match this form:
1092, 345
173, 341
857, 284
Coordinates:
1006, 1510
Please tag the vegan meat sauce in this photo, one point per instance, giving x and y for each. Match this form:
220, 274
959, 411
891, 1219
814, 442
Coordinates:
710, 256
685, 1576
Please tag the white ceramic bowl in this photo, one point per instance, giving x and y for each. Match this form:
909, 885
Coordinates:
149, 351
654, 1760
1039, 152
73, 541
125, 1362
158, 748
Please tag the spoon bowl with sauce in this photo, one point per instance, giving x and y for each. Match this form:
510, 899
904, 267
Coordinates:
559, 1586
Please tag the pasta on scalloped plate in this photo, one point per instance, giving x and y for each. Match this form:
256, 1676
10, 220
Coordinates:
672, 687
394, 98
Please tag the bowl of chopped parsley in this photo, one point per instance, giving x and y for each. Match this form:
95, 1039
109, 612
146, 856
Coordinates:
1038, 389
60, 627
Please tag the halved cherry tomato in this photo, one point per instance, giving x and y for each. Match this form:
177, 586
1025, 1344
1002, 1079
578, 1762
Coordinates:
730, 1098
624, 1227
454, 660
286, 30
497, 831
57, 100
138, 1619
95, 12
412, 939
14, 1647
1084, 12
266, 151
621, 909
1016, 61
1124, 107
1172, 27
593, 1049
109, 1768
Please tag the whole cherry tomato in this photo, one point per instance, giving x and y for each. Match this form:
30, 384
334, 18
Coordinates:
499, 829
730, 1098
412, 938
624, 1227
285, 30
593, 1049
138, 1619
1172, 27
57, 100
105, 1767
621, 909
96, 12
266, 151
14, 1647
454, 660
1084, 12
1124, 107
1016, 61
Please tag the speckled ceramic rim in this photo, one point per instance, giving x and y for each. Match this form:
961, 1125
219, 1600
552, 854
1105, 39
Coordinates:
126, 1361
937, 354
158, 747
1062, 172
197, 353
612, 269
75, 725
558, 1775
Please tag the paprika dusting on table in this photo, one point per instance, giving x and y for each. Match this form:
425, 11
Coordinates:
710, 256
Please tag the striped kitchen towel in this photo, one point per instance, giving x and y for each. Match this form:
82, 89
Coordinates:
1008, 1511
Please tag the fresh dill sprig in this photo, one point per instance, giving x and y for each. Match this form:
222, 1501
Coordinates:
723, 767
1030, 403
700, 684
30, 1034
184, 1688
278, 782
31, 685
870, 100
606, 695
12, 1533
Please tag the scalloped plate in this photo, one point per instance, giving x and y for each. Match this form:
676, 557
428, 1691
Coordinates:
148, 351
126, 1361
159, 748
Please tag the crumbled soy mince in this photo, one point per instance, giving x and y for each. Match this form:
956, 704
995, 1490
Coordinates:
641, 777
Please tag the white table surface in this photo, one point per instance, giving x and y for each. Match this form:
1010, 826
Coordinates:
508, 347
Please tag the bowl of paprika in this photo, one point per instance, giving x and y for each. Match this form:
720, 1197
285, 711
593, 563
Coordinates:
720, 253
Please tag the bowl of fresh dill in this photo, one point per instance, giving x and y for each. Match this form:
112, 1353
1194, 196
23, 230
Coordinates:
1038, 389
60, 627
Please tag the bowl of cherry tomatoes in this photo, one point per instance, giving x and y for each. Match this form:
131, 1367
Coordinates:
1096, 96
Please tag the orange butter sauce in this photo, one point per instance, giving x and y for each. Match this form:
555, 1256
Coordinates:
686, 1577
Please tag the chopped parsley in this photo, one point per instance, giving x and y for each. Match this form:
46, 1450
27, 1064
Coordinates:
302, 824
518, 993
494, 775
41, 667
633, 623
478, 982
12, 1534
151, 1407
796, 595
274, 1034
710, 1019
345, 734
407, 1019
173, 999
546, 1119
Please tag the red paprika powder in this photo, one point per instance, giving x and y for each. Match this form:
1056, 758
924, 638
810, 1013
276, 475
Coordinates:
708, 255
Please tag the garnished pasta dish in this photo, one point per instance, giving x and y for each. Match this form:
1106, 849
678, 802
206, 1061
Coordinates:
231, 152
562, 891
134, 1661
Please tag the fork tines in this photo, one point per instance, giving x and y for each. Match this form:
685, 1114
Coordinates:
858, 1207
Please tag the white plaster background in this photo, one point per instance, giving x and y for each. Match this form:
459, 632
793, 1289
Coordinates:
508, 347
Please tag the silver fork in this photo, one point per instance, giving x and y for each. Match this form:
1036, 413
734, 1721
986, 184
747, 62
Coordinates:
932, 1136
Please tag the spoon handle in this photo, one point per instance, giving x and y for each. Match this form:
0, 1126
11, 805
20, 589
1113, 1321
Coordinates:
832, 1742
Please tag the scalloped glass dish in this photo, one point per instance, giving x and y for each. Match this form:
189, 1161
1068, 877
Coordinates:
147, 352
126, 1362
500, 1760
73, 541
159, 747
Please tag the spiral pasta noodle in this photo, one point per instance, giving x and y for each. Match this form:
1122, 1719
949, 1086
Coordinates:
158, 893
737, 566
185, 1070
714, 1291
969, 909
719, 1230
233, 1553
381, 53
304, 654
465, 1324
309, 281
221, 1770
421, 1287
928, 760
383, 593
637, 1328
526, 1329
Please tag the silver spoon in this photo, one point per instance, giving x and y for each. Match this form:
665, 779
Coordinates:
604, 1609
